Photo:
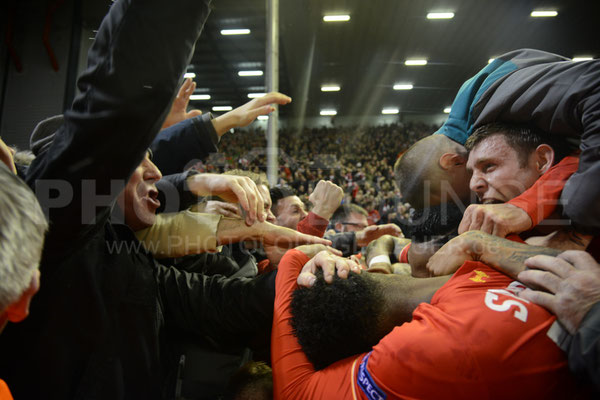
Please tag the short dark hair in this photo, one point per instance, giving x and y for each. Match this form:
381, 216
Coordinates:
281, 192
343, 212
337, 320
523, 139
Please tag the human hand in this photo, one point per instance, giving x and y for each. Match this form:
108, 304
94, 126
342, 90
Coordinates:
244, 115
451, 256
373, 232
330, 264
178, 111
572, 280
233, 189
496, 219
222, 208
326, 198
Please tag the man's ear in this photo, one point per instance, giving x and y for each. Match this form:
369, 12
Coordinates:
19, 310
544, 158
449, 161
338, 226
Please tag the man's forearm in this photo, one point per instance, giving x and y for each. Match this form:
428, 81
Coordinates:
233, 230
503, 254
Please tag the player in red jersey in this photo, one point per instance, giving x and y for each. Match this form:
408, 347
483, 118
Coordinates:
476, 339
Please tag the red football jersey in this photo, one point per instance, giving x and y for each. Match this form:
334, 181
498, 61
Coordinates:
477, 339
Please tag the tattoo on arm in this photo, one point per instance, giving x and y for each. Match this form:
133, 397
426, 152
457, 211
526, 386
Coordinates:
506, 255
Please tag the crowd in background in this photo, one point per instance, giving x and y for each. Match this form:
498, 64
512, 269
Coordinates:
358, 159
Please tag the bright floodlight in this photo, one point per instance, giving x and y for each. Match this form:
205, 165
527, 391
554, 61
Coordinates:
440, 15
576, 59
491, 60
255, 95
415, 62
226, 32
403, 86
328, 112
222, 108
263, 117
330, 88
200, 97
336, 18
250, 73
390, 111
545, 13
447, 110
189, 75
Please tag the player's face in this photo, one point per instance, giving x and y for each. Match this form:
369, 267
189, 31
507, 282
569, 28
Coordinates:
498, 175
266, 195
290, 211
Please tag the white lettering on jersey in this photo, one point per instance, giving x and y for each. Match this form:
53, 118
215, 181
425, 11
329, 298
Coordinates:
491, 298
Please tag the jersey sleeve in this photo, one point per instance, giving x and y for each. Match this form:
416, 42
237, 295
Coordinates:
312, 224
540, 200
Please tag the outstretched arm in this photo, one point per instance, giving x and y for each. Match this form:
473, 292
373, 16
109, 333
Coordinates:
503, 254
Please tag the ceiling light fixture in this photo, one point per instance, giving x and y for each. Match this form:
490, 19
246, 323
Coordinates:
336, 18
447, 110
544, 13
263, 117
415, 62
491, 60
250, 73
328, 112
389, 111
440, 15
582, 58
189, 75
330, 88
227, 32
222, 108
403, 86
200, 97
255, 95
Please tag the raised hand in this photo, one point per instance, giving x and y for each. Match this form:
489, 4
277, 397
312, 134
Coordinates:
179, 111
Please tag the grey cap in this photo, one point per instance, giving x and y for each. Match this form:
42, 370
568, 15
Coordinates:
43, 134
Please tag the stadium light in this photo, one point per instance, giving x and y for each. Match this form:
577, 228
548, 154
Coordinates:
227, 32
544, 13
250, 73
336, 18
328, 112
222, 108
415, 62
200, 97
440, 15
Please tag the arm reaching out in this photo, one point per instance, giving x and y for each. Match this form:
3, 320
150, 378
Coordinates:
503, 254
246, 114
231, 188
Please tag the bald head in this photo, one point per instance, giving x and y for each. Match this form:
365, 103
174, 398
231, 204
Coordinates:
433, 169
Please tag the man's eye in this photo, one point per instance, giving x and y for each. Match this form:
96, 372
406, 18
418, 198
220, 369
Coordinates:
488, 167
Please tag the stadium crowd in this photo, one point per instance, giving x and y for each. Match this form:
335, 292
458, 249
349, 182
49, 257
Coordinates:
140, 262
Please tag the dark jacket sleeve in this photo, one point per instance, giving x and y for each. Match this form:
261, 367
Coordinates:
584, 349
227, 310
174, 194
561, 98
118, 113
345, 242
181, 145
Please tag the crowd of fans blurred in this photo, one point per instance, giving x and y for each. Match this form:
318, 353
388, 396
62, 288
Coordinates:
358, 159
